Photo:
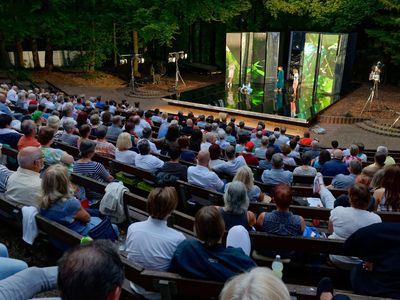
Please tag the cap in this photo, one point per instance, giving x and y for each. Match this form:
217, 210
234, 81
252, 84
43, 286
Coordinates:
37, 115
249, 146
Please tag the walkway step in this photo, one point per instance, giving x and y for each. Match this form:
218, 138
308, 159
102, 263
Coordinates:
381, 130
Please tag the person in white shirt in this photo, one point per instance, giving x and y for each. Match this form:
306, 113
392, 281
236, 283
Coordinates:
201, 175
24, 185
145, 160
151, 243
233, 164
146, 135
122, 153
210, 139
140, 124
12, 94
282, 139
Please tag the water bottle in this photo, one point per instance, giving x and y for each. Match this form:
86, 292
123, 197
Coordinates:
277, 266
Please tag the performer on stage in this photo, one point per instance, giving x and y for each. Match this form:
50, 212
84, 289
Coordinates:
280, 81
295, 82
231, 74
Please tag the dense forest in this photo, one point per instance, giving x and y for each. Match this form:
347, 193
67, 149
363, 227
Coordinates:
102, 29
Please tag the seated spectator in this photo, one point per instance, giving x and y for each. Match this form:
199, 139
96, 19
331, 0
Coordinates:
58, 203
277, 175
257, 139
86, 167
229, 136
95, 123
201, 121
122, 153
215, 156
210, 139
235, 211
262, 149
145, 160
8, 136
115, 129
319, 161
388, 196
281, 221
140, 124
305, 169
195, 140
166, 120
81, 119
271, 144
335, 145
361, 155
265, 164
173, 166
335, 166
99, 103
287, 160
245, 175
84, 132
306, 140
9, 266
4, 109
156, 118
5, 174
342, 181
294, 146
248, 155
233, 164
315, 150
221, 142
353, 154
151, 244
200, 174
242, 131
346, 220
379, 273
389, 160
26, 180
28, 128
188, 129
258, 284
146, 135
53, 122
213, 261
171, 137
147, 117
68, 137
186, 154
67, 114
379, 163
241, 145
51, 155
103, 147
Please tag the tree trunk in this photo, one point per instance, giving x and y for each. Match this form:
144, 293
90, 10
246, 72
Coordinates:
213, 37
135, 51
35, 54
19, 55
4, 57
200, 47
48, 57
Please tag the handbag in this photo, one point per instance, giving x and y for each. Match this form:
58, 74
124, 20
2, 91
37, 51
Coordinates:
104, 231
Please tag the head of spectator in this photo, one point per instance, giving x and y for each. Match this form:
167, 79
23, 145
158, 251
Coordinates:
283, 130
28, 128
101, 132
124, 141
207, 128
390, 182
258, 284
174, 152
55, 185
161, 202
144, 147
172, 133
230, 152
214, 127
189, 123
245, 175
249, 147
306, 134
222, 117
95, 120
69, 126
146, 133
235, 198
87, 149
360, 147
215, 151
277, 132
359, 196
82, 118
203, 158
67, 111
210, 138
285, 149
241, 125
269, 153
376, 181
209, 226
197, 136
380, 158
84, 131
314, 145
355, 167
354, 150
242, 139
210, 119
282, 196
5, 121
53, 122
228, 130
271, 140
306, 159
116, 121
106, 118
45, 136
183, 142
30, 158
277, 161
264, 142
338, 154
93, 271
324, 156
383, 150
334, 144
202, 118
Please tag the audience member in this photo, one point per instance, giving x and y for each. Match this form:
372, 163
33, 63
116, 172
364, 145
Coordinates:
277, 175
335, 166
294, 147
315, 150
196, 140
361, 155
145, 160
248, 155
115, 129
123, 152
210, 139
389, 160
103, 147
319, 161
53, 122
215, 155
342, 181
84, 132
221, 142
257, 139
305, 169
283, 139
335, 145
241, 143
231, 166
94, 123
146, 135
353, 155
265, 164
287, 160
245, 175
262, 149
306, 140
379, 163
388, 196
28, 128
173, 166
8, 136
68, 137
271, 144
186, 154
9, 266
230, 136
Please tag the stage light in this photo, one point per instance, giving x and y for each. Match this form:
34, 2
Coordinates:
133, 57
123, 61
174, 57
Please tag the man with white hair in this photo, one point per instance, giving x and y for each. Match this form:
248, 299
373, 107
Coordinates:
12, 94
210, 139
68, 136
384, 150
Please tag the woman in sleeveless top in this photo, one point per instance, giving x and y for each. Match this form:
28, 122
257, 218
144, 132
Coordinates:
236, 204
388, 197
281, 221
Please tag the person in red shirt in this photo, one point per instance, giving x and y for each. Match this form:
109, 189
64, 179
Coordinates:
28, 128
250, 159
306, 140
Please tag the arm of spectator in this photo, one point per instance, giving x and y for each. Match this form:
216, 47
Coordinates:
330, 227
251, 218
261, 197
378, 194
66, 158
82, 215
260, 221
302, 223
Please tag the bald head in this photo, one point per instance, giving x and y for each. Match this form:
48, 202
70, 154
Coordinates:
338, 154
203, 158
30, 158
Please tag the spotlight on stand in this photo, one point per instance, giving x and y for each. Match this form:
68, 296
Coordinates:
123, 60
174, 57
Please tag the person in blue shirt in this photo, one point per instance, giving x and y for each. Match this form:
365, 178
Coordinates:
335, 166
277, 175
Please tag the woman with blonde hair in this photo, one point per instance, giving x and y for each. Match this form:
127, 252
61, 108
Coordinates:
122, 153
245, 175
59, 204
54, 123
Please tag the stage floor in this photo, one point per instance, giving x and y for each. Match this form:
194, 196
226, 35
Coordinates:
263, 101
